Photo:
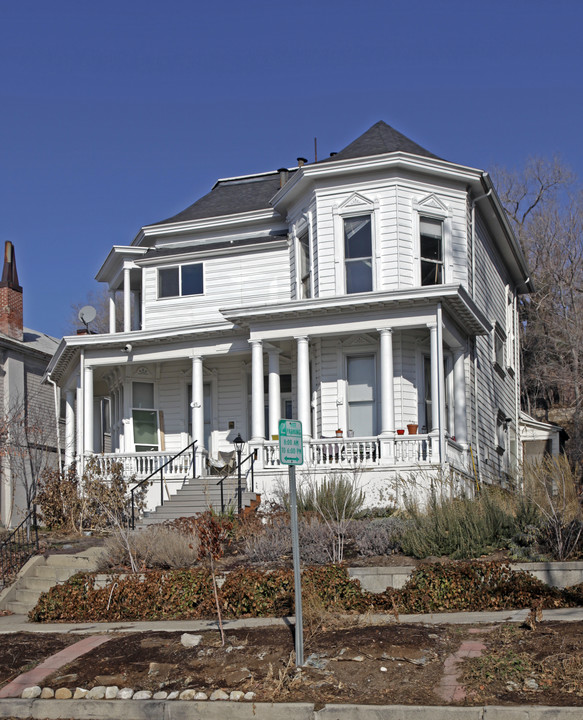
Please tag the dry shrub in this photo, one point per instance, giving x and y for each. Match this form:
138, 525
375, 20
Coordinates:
274, 544
552, 486
156, 546
379, 536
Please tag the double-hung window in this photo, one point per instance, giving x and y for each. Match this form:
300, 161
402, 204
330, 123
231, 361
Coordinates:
304, 265
180, 281
358, 254
431, 247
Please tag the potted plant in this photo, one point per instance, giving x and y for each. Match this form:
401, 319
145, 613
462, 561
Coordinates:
400, 432
412, 428
339, 433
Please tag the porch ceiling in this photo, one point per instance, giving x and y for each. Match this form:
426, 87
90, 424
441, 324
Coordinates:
454, 299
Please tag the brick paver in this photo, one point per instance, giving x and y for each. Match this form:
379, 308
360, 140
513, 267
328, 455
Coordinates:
50, 665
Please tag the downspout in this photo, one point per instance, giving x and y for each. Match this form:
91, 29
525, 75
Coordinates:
476, 414
81, 450
57, 418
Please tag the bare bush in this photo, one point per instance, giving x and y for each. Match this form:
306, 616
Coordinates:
155, 547
380, 536
336, 500
552, 486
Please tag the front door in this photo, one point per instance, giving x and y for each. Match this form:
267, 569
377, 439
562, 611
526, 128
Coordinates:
360, 374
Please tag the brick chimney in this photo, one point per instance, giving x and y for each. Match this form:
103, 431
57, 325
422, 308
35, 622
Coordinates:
10, 296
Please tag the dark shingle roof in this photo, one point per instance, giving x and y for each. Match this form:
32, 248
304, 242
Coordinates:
231, 196
254, 193
377, 140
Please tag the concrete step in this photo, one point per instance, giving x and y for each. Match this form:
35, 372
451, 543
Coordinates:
18, 608
81, 562
43, 574
55, 574
28, 597
38, 584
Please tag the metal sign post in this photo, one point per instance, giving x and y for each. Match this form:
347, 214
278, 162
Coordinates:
291, 453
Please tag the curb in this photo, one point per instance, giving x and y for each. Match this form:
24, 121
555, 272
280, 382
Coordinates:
187, 710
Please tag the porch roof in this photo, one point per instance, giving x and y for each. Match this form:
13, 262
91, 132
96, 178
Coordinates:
70, 346
454, 298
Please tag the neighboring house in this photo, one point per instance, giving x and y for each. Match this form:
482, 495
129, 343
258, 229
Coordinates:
540, 438
27, 424
370, 291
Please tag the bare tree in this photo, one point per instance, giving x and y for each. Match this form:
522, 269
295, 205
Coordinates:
545, 206
27, 449
99, 299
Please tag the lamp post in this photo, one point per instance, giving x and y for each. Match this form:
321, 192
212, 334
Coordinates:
238, 442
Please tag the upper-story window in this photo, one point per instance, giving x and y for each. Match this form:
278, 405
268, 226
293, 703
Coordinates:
304, 265
431, 246
181, 280
358, 254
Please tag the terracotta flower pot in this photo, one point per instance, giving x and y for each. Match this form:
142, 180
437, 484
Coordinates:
412, 428
400, 432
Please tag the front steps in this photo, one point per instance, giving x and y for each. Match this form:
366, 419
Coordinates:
198, 495
40, 573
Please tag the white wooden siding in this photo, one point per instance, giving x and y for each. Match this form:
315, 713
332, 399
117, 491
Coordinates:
245, 279
396, 226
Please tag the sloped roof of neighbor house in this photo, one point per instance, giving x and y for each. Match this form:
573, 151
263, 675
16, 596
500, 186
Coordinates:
245, 194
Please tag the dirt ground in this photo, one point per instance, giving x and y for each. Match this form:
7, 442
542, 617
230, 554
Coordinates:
391, 664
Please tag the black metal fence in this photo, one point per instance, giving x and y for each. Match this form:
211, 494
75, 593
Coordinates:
18, 547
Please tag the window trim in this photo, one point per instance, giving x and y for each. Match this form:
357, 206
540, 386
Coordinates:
301, 234
351, 216
178, 267
440, 262
355, 205
436, 210
499, 346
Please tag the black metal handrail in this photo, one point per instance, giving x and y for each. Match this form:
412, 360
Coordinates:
159, 470
19, 546
237, 469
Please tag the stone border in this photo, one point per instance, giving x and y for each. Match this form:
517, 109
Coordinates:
191, 710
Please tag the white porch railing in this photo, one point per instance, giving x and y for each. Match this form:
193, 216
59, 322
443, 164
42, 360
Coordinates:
413, 449
328, 452
141, 465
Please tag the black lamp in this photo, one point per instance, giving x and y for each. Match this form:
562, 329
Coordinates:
238, 442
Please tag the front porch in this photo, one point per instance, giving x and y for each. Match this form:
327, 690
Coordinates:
399, 455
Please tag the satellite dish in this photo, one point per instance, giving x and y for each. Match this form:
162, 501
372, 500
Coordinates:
87, 314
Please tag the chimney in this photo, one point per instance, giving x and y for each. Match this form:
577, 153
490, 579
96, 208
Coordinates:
10, 296
302, 162
283, 176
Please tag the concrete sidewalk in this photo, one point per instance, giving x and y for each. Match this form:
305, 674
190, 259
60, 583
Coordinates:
190, 710
20, 623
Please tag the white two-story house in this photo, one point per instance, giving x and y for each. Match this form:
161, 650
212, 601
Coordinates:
371, 295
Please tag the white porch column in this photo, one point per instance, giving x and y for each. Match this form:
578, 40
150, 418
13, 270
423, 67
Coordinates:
112, 317
88, 408
127, 301
459, 397
274, 392
136, 311
387, 383
69, 426
197, 403
304, 409
434, 382
257, 392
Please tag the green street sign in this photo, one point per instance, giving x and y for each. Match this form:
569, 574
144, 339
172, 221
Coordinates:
291, 448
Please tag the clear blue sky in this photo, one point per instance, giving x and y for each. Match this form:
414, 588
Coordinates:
116, 114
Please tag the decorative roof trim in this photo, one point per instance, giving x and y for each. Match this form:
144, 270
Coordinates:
219, 221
